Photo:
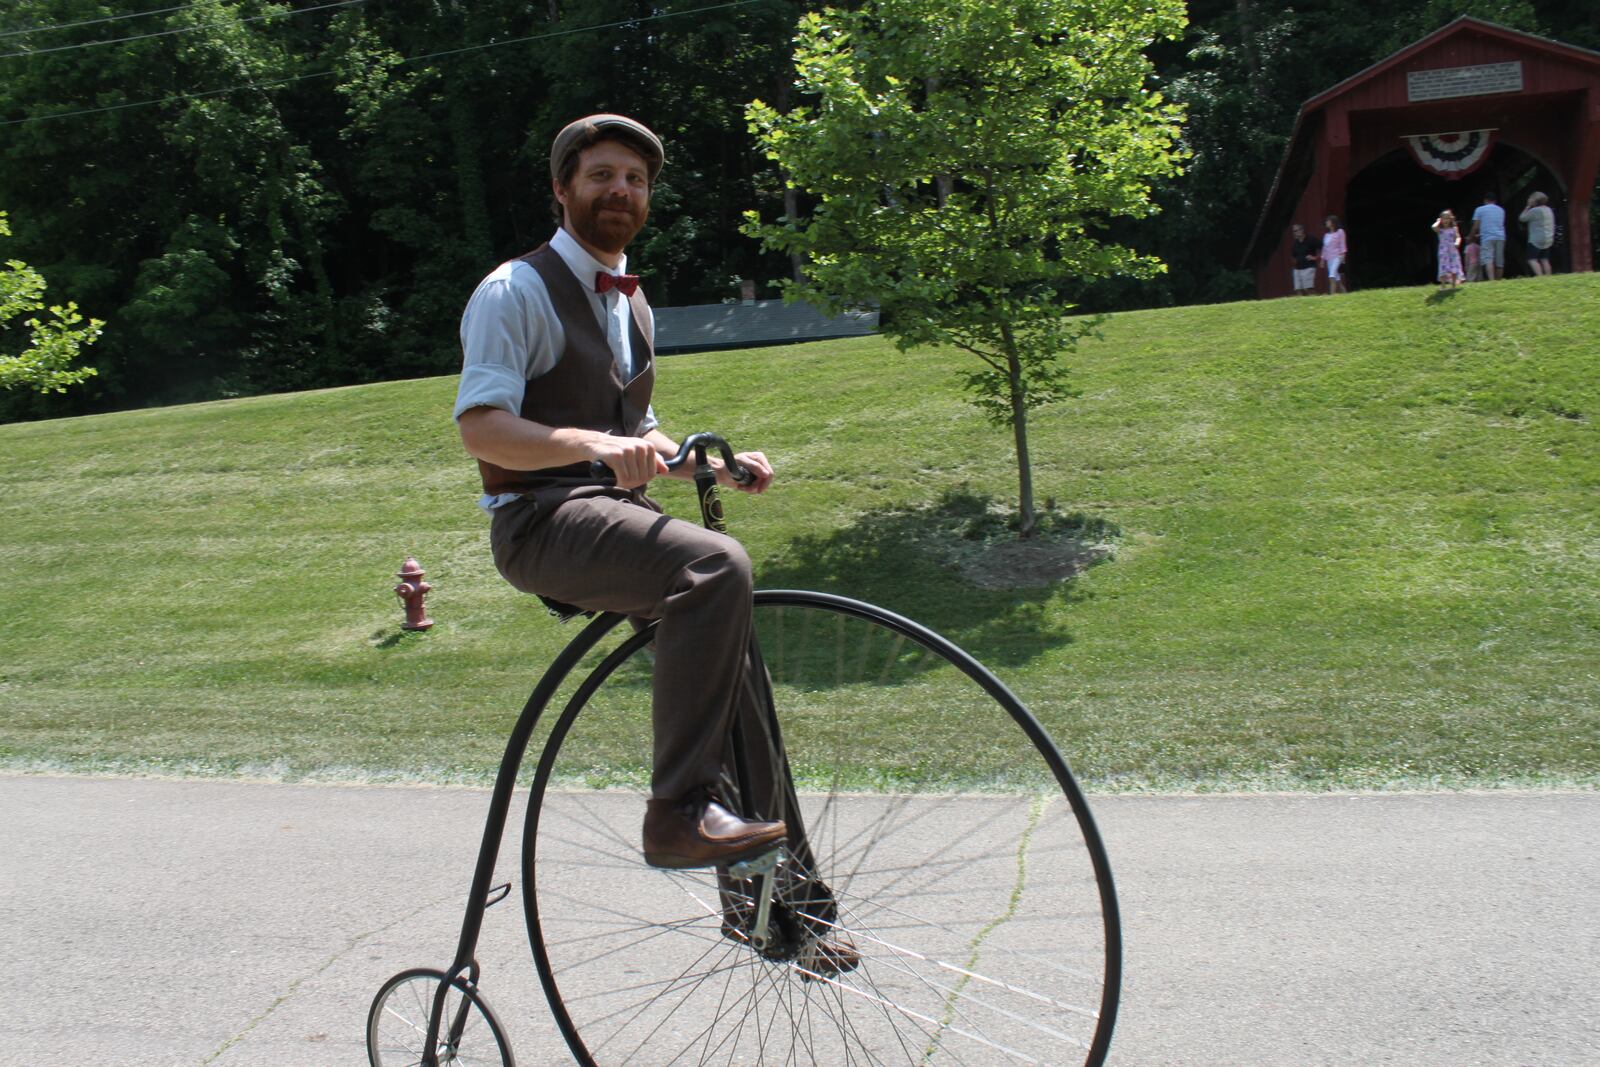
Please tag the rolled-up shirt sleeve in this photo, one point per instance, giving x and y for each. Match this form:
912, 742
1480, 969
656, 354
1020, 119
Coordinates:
506, 339
484, 385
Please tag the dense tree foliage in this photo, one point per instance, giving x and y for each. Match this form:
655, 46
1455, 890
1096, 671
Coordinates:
263, 196
259, 196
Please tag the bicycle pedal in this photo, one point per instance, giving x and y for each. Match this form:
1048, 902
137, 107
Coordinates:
758, 866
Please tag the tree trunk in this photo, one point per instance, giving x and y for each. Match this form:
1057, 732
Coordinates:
1247, 38
471, 194
783, 80
791, 208
1029, 519
943, 184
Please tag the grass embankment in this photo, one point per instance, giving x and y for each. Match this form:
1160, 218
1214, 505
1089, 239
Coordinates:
1358, 545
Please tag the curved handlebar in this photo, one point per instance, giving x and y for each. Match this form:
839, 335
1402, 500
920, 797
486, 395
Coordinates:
695, 445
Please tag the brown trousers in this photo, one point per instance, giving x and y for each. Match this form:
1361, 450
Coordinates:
602, 553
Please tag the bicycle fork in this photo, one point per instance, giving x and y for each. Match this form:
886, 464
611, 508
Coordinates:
705, 488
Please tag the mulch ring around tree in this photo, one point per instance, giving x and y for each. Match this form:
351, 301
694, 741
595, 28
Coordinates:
978, 537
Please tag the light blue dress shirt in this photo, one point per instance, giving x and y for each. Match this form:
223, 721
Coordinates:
511, 336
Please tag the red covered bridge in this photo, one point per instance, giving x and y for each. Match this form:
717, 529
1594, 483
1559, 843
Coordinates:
1470, 108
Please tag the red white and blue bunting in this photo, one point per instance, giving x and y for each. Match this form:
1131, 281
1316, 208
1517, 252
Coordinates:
1451, 155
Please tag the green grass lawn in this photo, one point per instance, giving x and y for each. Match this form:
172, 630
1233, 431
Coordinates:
1357, 544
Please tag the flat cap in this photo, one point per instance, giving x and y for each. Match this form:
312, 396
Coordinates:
576, 136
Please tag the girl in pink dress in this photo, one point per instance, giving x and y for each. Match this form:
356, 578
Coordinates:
1449, 249
1334, 252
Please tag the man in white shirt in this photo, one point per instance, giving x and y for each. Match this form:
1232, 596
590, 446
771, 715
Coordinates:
557, 372
1541, 222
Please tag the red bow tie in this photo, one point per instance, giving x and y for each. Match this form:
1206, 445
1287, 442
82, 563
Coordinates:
622, 283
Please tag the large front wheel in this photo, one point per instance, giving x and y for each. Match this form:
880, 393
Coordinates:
945, 841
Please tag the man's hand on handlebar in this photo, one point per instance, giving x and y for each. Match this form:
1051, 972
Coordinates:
756, 464
630, 462
633, 460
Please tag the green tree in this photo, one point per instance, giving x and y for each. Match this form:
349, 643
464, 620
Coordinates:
45, 364
963, 155
195, 225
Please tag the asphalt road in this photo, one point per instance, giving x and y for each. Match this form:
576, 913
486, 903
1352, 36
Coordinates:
163, 923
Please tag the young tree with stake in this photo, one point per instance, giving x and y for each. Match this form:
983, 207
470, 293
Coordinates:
960, 155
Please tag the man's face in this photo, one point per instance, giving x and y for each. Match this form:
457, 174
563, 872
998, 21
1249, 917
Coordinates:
608, 199
1299, 231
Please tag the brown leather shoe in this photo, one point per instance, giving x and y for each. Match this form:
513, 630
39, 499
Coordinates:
700, 832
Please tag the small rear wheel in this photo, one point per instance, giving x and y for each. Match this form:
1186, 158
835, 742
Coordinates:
397, 1025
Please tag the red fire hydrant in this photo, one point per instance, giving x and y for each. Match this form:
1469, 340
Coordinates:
411, 591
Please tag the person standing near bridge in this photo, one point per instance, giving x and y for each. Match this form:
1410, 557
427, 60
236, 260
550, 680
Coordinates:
1335, 250
1541, 223
1489, 227
1303, 255
1449, 249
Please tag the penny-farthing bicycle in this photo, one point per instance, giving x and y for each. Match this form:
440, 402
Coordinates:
934, 827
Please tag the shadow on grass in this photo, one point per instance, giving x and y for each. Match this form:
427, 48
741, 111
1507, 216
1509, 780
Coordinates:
957, 567
1439, 296
386, 638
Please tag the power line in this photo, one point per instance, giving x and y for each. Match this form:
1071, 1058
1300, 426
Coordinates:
179, 29
96, 22
170, 99
582, 29
403, 60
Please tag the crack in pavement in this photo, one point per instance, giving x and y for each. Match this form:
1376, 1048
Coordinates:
294, 987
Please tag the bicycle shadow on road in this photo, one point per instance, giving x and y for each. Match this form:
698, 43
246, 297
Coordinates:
954, 566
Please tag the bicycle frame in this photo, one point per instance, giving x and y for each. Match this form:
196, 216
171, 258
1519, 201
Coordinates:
482, 895
478, 902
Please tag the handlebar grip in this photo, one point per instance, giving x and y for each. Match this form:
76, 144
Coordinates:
741, 474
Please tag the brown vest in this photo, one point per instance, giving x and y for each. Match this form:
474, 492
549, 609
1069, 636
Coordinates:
584, 389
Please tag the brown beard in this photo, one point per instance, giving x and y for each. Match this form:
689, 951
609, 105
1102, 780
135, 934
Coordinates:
609, 231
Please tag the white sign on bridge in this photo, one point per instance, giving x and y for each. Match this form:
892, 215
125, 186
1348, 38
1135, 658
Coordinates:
1447, 83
